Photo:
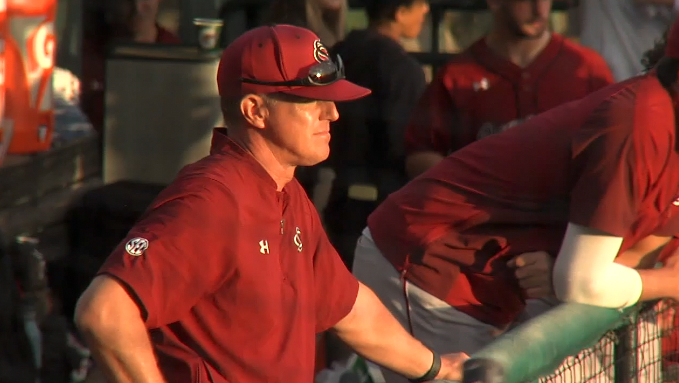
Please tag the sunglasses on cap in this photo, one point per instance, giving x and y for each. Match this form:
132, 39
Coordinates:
321, 74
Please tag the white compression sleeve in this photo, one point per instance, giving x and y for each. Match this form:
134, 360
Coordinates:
585, 271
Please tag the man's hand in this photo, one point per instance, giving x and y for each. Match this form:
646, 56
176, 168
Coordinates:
534, 272
451, 366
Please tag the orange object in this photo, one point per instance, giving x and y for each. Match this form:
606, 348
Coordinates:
29, 63
4, 146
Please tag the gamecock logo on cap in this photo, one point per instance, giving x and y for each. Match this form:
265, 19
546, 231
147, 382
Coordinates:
321, 52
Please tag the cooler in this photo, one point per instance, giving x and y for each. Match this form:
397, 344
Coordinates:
4, 145
28, 121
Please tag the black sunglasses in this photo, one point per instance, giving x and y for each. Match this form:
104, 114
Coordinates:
321, 74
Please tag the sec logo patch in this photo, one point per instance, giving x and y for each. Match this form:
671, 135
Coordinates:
136, 246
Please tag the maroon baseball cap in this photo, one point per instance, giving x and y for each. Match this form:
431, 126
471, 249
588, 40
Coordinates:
284, 59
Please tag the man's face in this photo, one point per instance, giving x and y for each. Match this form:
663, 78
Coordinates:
524, 18
300, 128
411, 18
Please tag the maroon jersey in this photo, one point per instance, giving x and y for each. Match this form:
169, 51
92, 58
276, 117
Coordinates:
235, 277
606, 162
480, 93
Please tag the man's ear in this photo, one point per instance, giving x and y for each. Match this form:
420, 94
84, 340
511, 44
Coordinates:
254, 110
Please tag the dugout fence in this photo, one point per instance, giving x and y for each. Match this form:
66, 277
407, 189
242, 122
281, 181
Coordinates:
574, 343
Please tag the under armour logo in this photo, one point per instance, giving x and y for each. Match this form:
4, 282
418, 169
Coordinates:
264, 246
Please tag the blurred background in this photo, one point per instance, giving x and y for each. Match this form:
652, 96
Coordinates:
103, 101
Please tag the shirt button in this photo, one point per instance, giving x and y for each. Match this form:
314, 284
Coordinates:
527, 88
525, 75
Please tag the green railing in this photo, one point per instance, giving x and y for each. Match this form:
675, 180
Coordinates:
579, 343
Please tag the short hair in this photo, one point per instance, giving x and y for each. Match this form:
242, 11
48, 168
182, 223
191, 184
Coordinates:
231, 110
666, 67
380, 11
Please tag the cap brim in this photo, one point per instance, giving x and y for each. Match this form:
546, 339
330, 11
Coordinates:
341, 90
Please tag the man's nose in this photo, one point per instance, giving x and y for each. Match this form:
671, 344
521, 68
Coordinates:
330, 112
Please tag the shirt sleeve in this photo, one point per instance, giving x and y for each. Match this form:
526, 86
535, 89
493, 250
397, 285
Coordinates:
178, 251
610, 178
335, 287
431, 124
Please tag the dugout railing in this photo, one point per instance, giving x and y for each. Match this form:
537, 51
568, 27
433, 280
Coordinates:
574, 343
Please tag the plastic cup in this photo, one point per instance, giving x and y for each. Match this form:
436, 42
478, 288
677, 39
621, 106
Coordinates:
208, 32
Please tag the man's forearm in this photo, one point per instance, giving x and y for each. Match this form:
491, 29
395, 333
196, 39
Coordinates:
374, 333
125, 356
113, 328
658, 284
644, 254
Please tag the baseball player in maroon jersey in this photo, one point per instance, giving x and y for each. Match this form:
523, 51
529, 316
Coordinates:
230, 271
456, 253
519, 69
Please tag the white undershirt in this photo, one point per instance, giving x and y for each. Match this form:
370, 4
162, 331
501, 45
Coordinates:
585, 271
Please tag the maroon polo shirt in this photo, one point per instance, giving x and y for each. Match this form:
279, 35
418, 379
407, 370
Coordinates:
606, 162
480, 93
235, 278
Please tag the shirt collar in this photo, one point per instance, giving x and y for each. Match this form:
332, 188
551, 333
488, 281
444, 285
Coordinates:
222, 144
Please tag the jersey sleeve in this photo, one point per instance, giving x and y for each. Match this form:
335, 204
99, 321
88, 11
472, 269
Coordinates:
177, 252
335, 287
610, 180
431, 124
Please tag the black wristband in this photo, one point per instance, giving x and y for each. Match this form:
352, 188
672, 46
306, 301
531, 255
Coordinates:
433, 370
